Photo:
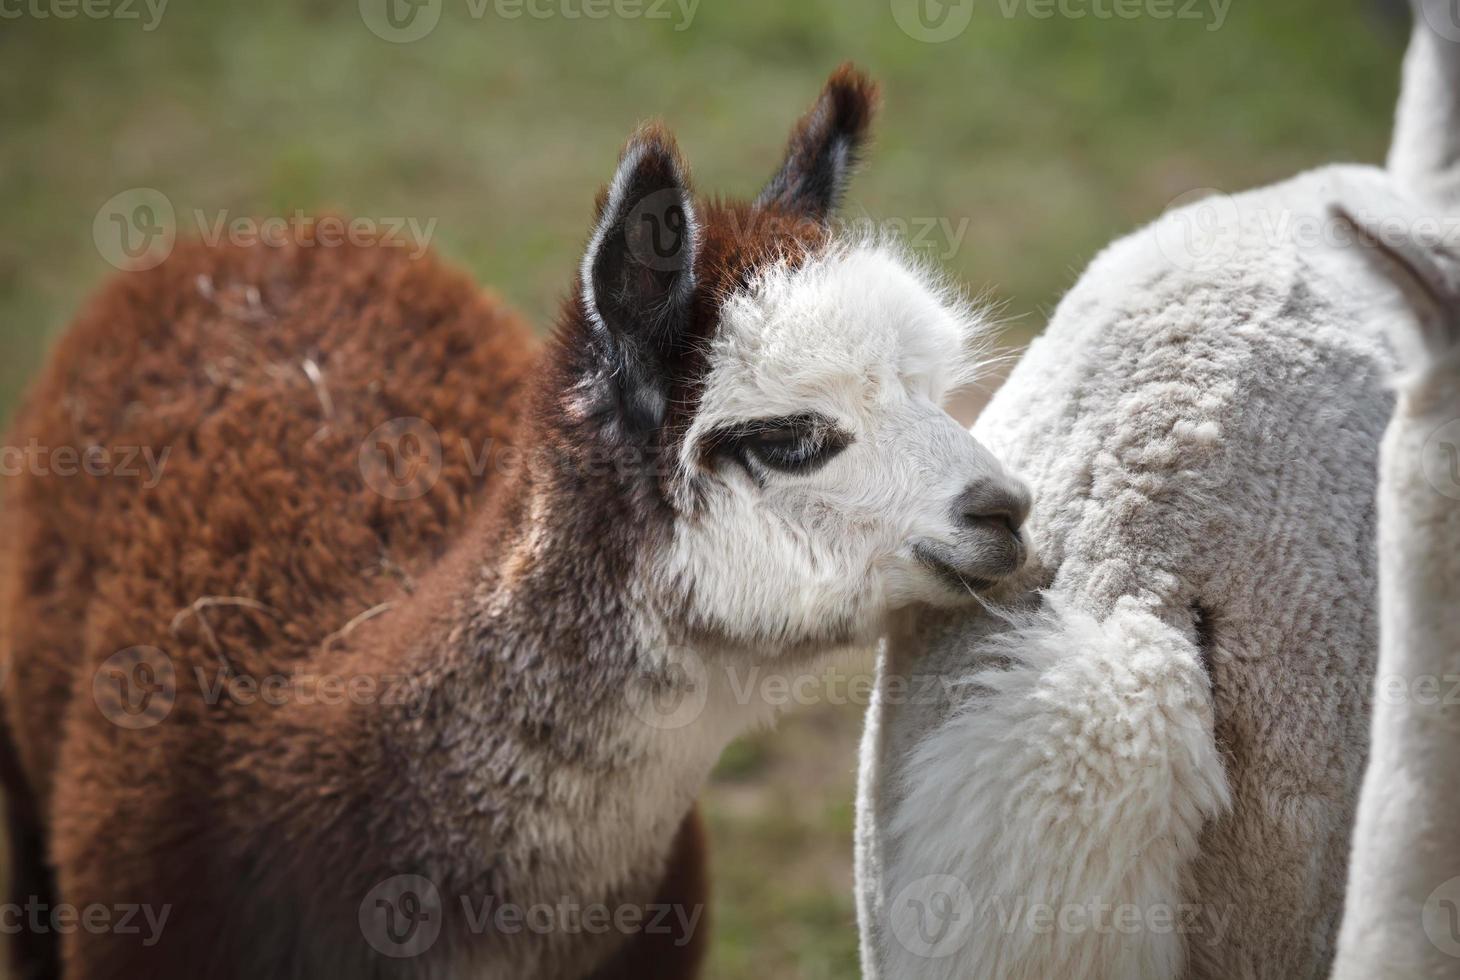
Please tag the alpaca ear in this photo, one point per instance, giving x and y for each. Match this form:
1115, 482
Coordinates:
638, 273
1426, 272
824, 148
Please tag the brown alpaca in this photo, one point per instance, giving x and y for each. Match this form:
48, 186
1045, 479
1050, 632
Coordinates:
341, 695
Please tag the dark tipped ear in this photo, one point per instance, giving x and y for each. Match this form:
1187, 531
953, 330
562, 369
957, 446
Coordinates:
1427, 273
638, 273
824, 148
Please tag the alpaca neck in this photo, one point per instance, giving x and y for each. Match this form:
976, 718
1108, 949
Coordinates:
564, 699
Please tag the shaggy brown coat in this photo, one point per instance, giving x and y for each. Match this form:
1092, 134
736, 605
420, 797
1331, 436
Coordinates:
262, 543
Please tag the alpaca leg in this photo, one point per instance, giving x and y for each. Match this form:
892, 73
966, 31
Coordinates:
1402, 918
33, 953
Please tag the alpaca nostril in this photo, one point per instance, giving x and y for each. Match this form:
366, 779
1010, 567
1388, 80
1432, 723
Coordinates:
1000, 504
1006, 522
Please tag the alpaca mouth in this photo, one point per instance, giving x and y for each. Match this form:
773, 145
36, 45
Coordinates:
934, 558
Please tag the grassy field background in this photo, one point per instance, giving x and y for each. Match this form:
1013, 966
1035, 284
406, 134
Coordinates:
1015, 149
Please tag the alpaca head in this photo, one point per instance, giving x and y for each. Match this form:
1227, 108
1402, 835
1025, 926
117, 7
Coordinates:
789, 380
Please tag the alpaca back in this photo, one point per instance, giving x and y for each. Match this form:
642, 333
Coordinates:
245, 517
1231, 415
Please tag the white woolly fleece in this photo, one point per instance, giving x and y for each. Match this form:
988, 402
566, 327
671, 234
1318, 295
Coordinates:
1095, 771
1402, 918
1200, 425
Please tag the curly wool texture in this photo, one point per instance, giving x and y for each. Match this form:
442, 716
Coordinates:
1200, 426
202, 360
1094, 738
256, 375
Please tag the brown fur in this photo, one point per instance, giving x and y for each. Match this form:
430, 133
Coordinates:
261, 497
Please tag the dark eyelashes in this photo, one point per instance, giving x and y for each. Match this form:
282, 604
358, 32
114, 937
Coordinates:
796, 444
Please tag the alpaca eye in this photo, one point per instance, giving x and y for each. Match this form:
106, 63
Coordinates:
796, 444
791, 452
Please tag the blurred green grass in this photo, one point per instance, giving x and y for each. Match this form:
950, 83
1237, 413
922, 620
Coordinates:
1038, 139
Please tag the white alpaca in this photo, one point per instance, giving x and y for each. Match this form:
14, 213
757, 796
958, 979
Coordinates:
1402, 916
1149, 767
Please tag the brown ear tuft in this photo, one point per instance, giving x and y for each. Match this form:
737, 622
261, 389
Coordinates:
824, 147
654, 160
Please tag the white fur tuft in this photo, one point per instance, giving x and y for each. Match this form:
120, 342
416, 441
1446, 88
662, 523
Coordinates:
1077, 778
